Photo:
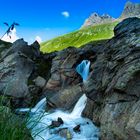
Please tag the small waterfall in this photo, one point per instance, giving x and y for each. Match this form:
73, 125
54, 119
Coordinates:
83, 69
79, 107
40, 105
39, 123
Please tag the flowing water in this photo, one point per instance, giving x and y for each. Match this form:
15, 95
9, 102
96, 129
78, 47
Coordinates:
39, 123
83, 69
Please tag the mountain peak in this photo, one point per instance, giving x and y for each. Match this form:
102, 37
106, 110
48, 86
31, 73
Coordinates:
95, 19
128, 3
131, 10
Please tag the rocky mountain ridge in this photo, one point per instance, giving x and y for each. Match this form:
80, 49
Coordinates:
95, 19
130, 10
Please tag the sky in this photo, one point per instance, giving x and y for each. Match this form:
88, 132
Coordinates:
45, 19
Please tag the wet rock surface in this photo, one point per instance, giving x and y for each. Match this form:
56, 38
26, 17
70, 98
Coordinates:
56, 123
77, 129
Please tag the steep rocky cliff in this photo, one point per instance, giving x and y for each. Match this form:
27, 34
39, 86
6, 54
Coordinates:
114, 86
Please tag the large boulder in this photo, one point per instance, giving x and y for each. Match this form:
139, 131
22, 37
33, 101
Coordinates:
19, 66
16, 68
67, 97
63, 71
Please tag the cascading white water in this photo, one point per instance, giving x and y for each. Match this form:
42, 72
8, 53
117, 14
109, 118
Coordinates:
39, 124
79, 107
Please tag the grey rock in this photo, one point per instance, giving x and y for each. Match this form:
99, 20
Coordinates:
19, 65
39, 81
63, 73
65, 133
15, 70
67, 97
137, 127
95, 19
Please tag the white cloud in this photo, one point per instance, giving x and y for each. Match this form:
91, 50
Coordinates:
66, 14
13, 35
38, 38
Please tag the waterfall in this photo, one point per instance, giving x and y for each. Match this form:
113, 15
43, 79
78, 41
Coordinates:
83, 69
79, 107
39, 123
40, 106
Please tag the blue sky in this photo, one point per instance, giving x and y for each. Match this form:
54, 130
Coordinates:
44, 18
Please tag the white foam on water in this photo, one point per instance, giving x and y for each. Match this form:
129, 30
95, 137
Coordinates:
39, 107
39, 123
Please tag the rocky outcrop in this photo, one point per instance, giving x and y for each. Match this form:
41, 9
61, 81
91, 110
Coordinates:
63, 88
19, 65
131, 10
114, 97
96, 19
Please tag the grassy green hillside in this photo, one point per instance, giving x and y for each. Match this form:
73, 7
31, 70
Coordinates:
80, 37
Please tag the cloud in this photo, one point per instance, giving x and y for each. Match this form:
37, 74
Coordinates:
13, 35
38, 38
66, 14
